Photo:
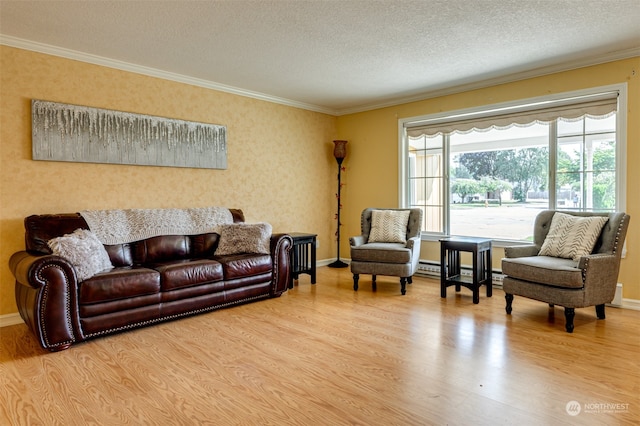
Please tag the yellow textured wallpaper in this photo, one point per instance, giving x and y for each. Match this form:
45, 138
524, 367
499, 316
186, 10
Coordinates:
280, 163
373, 136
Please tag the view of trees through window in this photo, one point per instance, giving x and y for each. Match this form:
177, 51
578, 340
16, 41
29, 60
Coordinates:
499, 179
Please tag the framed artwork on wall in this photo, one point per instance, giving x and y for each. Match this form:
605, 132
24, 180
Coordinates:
64, 132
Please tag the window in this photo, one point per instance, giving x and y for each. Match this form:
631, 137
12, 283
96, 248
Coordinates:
488, 172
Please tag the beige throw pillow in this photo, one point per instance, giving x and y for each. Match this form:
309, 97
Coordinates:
244, 238
84, 251
389, 226
572, 237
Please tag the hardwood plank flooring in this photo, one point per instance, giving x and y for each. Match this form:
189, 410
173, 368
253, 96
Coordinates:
325, 355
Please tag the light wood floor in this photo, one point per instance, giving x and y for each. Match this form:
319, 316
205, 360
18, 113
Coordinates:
325, 355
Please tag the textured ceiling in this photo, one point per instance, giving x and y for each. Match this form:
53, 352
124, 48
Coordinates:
333, 56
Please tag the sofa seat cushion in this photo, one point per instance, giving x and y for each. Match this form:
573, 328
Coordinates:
554, 271
245, 265
381, 253
119, 283
187, 273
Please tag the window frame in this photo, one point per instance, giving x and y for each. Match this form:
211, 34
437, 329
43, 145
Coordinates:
487, 111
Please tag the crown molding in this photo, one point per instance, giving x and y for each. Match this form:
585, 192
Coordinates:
153, 72
510, 78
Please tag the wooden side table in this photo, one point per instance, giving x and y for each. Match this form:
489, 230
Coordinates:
303, 256
450, 268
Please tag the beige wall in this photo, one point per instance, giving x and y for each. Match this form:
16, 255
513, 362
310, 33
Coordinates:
280, 163
373, 138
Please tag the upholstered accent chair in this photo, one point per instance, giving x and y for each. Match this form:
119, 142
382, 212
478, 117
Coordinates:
574, 261
388, 245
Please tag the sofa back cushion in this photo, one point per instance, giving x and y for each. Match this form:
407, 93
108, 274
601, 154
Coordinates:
120, 254
204, 245
161, 249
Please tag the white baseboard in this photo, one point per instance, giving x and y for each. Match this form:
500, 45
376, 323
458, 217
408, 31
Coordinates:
10, 319
325, 262
631, 304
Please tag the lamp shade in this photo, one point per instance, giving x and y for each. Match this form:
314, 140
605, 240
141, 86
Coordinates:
340, 150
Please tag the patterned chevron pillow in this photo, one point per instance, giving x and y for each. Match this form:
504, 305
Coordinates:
389, 226
571, 237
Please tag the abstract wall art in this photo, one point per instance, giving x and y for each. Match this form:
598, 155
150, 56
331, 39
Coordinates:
64, 132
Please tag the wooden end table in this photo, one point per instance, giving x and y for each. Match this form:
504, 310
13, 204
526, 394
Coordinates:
450, 268
303, 256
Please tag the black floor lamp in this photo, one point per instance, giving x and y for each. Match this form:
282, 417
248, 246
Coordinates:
339, 151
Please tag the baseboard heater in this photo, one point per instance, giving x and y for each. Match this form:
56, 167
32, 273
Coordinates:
432, 269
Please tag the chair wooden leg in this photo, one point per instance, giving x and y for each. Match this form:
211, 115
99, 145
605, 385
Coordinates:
410, 280
509, 299
403, 286
569, 313
600, 311
355, 282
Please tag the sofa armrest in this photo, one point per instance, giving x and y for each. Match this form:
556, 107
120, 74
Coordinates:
413, 244
521, 251
46, 294
600, 275
281, 245
356, 241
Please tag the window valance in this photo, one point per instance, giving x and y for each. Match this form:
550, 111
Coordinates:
600, 105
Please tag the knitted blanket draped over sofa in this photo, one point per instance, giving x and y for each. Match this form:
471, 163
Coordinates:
156, 265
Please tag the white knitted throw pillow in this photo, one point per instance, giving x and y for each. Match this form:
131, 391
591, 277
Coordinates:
84, 251
244, 238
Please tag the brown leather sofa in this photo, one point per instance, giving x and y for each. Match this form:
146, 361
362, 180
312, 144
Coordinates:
153, 280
